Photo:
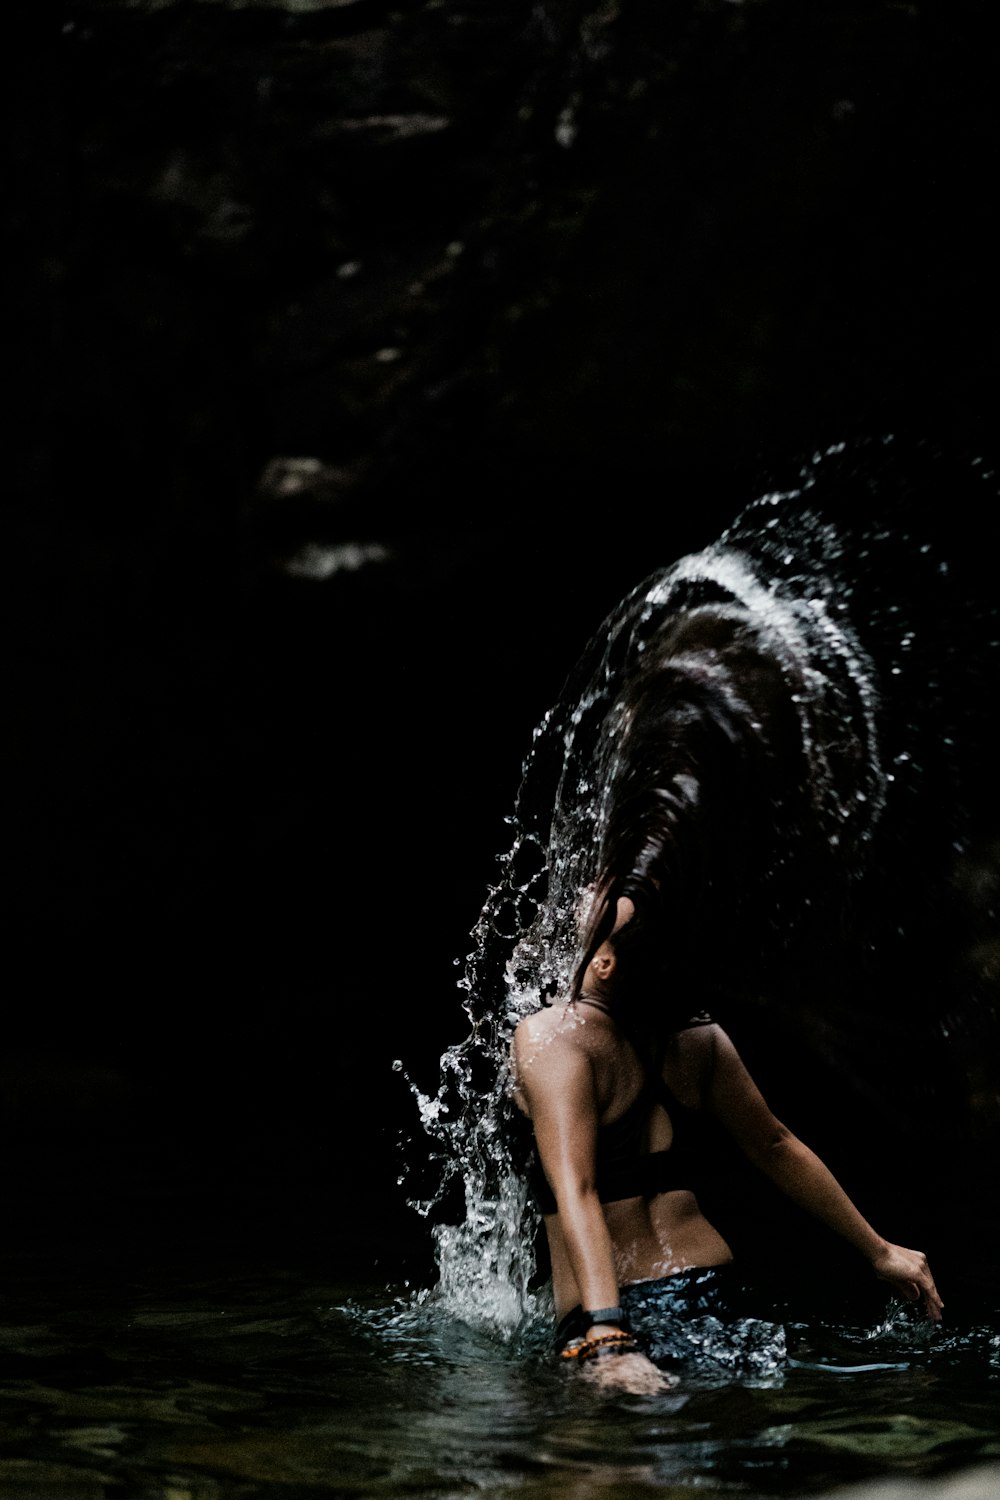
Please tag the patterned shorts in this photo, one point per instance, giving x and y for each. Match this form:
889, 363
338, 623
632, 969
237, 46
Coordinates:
703, 1319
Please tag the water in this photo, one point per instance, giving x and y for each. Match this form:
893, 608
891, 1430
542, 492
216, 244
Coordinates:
213, 1382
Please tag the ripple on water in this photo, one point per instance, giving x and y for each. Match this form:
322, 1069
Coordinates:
323, 1390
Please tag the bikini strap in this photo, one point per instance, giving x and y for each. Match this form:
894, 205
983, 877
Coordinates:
597, 1004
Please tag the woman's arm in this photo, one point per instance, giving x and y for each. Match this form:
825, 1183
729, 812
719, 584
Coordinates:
555, 1078
735, 1100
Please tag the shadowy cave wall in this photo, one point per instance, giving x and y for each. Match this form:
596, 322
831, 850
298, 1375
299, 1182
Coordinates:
363, 356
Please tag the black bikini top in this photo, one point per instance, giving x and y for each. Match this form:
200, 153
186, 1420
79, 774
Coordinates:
625, 1168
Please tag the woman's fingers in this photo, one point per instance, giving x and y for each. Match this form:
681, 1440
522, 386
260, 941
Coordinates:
932, 1300
909, 1273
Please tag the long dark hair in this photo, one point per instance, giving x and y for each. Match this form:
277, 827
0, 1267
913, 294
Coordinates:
697, 762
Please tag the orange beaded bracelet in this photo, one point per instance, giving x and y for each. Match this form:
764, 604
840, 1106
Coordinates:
610, 1343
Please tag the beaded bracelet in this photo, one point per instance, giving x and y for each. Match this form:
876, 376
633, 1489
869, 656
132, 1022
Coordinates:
603, 1343
608, 1343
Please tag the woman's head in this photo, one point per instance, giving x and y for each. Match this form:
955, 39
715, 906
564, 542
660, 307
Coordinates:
624, 954
636, 961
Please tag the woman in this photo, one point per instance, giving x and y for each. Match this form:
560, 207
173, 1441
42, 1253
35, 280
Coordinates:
611, 1094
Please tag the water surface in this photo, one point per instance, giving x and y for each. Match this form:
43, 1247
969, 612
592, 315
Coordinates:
267, 1381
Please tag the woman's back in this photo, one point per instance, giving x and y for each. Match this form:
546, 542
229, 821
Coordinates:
644, 1103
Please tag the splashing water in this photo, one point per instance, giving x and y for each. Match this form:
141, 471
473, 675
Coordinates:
764, 616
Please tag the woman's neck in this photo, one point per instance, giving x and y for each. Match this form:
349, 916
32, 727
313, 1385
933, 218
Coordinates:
599, 1000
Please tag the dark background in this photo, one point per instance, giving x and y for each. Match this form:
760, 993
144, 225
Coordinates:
544, 295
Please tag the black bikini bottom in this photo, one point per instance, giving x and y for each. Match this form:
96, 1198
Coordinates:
706, 1316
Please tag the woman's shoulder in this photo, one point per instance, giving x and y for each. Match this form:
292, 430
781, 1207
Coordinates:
552, 1049
554, 1024
533, 1029
693, 1049
696, 1033
533, 1035
561, 1032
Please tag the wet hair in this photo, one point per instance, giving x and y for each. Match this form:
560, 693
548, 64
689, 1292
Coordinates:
640, 962
682, 778
694, 756
691, 806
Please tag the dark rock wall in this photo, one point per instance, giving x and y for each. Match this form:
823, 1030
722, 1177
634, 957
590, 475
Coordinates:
539, 295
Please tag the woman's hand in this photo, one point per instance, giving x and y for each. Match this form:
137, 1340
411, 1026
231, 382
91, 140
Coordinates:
632, 1373
908, 1272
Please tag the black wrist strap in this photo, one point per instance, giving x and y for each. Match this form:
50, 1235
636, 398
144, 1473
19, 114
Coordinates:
605, 1315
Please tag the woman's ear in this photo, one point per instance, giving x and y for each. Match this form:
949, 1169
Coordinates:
603, 962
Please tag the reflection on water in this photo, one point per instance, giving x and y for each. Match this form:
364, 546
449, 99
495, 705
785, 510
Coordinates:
272, 1383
